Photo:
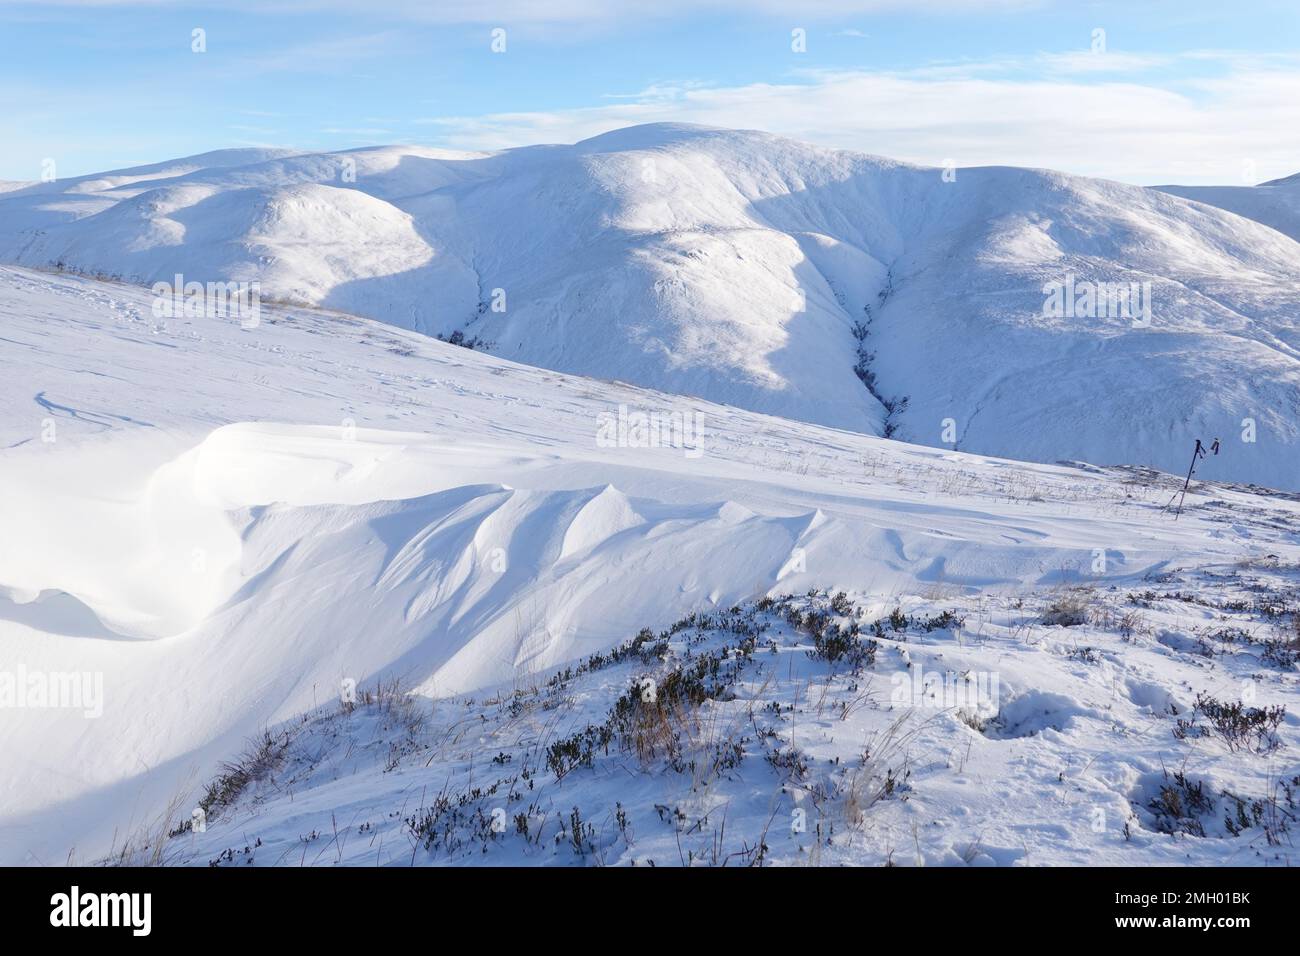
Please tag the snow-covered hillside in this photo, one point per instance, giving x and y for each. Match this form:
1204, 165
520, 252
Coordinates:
751, 270
224, 526
1276, 204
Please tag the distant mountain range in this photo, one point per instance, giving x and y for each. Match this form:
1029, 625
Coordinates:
1012, 312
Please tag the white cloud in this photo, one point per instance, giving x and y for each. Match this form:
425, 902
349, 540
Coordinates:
1085, 61
364, 131
1141, 131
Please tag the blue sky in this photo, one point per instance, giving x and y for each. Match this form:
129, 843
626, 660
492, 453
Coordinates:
1192, 91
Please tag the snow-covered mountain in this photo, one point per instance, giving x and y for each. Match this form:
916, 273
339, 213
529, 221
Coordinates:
758, 272
1276, 203
208, 531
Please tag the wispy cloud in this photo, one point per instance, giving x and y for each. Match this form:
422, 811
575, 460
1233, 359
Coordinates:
355, 131
1201, 130
324, 55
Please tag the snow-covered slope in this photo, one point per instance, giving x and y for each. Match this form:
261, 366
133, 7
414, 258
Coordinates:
736, 266
1276, 203
795, 750
224, 524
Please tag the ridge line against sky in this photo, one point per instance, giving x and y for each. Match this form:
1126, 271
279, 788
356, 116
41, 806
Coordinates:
1156, 93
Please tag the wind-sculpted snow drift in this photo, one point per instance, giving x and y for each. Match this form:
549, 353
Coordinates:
758, 272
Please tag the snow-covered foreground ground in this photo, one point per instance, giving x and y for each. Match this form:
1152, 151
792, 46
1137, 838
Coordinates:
230, 528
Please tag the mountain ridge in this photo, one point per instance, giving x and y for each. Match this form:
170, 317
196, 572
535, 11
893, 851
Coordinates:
756, 271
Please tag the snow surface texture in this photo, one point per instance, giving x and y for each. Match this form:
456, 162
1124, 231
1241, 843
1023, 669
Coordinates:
734, 266
227, 524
